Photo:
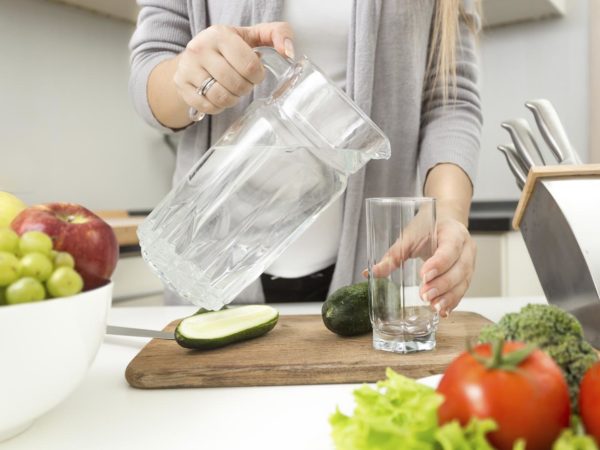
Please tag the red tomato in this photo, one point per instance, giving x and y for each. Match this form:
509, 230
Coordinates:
589, 401
530, 402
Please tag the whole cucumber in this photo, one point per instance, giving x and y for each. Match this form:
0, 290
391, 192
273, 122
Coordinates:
346, 311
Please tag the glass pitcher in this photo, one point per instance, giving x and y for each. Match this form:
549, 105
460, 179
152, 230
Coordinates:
260, 186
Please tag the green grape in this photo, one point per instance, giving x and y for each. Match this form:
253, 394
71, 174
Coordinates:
2, 296
35, 241
24, 290
9, 240
10, 268
64, 259
36, 265
63, 282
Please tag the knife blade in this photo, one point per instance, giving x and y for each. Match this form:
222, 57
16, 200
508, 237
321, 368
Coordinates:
513, 164
139, 332
553, 132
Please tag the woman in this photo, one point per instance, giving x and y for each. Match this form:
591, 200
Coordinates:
410, 65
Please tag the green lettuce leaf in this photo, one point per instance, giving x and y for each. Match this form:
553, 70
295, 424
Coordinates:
569, 440
401, 413
452, 436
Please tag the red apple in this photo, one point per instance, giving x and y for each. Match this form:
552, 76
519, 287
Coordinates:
77, 230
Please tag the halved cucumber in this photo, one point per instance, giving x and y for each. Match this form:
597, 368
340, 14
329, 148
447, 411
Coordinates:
219, 328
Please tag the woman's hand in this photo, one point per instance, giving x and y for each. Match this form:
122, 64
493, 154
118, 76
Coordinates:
222, 52
225, 54
447, 274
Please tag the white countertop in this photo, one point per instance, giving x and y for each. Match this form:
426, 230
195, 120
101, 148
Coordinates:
104, 413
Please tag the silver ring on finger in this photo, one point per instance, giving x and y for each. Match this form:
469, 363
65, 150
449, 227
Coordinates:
195, 115
205, 86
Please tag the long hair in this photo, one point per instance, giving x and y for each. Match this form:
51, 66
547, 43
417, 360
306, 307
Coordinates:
445, 37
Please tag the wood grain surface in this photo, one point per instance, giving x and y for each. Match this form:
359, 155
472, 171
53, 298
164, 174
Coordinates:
298, 351
124, 225
555, 171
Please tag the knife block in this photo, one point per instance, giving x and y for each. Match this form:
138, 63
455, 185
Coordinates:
559, 217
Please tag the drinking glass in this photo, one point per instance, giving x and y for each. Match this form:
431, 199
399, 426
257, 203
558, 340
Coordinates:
401, 235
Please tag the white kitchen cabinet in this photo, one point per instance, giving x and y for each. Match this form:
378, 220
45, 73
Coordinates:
504, 12
519, 276
133, 281
117, 9
487, 279
503, 267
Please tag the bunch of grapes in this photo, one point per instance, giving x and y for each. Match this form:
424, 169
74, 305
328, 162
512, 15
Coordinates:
30, 270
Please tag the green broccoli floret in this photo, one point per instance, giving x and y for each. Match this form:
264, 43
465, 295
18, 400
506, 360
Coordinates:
553, 330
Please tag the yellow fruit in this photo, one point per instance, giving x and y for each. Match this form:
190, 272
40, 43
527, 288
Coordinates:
10, 206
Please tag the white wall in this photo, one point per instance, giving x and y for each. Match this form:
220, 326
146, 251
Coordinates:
520, 62
68, 131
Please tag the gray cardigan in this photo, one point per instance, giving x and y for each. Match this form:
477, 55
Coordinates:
387, 53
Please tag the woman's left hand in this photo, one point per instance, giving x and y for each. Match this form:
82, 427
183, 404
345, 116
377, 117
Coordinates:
447, 273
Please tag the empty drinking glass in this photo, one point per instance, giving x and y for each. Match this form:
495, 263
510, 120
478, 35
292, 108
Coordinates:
401, 235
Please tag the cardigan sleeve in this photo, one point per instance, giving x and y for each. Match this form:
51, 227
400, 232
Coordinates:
162, 32
450, 131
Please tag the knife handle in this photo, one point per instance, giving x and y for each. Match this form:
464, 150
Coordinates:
552, 131
513, 164
523, 143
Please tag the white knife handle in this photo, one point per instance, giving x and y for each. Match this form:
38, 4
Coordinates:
520, 144
552, 131
513, 164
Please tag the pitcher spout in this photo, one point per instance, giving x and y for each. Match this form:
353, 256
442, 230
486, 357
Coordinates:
383, 150
352, 157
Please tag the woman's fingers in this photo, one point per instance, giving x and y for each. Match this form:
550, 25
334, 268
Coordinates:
442, 260
217, 94
239, 54
453, 264
218, 67
451, 239
201, 103
221, 97
446, 274
411, 245
225, 54
393, 258
186, 78
278, 35
446, 303
441, 285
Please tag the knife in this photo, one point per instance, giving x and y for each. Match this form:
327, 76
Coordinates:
139, 332
552, 131
523, 137
514, 164
520, 140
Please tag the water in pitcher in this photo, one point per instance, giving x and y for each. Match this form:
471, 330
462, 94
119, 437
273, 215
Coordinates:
236, 206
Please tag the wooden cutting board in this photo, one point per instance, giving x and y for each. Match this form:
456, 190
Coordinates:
299, 350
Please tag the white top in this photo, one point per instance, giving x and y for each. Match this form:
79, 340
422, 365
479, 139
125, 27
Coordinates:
105, 413
323, 37
321, 33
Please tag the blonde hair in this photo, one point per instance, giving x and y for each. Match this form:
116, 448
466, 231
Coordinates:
444, 42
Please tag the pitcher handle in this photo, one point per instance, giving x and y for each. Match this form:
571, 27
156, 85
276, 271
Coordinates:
279, 66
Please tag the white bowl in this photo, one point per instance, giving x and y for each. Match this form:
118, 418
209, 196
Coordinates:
46, 348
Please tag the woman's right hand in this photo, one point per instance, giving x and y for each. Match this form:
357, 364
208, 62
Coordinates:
225, 54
